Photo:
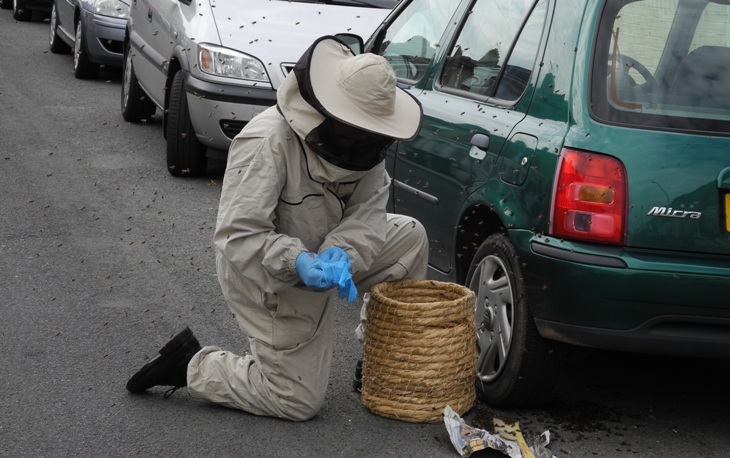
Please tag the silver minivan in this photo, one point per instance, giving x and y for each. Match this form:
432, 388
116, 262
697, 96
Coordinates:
210, 67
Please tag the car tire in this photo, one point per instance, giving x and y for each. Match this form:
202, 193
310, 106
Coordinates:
6, 4
83, 68
136, 106
516, 367
19, 11
55, 44
186, 156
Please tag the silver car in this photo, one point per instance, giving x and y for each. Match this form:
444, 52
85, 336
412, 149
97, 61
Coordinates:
210, 67
23, 9
93, 29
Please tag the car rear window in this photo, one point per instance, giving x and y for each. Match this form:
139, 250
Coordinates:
663, 64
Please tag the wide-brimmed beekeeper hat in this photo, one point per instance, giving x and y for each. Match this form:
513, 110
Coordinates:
359, 90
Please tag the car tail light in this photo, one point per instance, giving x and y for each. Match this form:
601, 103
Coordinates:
589, 199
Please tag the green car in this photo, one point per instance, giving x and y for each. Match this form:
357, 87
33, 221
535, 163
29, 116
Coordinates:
573, 169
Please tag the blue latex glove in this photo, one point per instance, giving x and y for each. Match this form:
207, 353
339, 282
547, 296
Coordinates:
337, 267
334, 254
317, 273
338, 274
347, 287
311, 271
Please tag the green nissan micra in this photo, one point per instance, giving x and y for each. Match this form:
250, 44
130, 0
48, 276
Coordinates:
573, 169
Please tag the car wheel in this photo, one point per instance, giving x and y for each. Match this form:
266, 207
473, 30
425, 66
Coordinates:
136, 106
185, 154
56, 45
516, 366
83, 67
6, 4
19, 11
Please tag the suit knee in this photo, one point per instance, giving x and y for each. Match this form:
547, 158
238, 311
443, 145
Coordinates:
305, 407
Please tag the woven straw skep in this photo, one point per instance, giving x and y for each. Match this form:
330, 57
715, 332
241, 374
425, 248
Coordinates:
420, 350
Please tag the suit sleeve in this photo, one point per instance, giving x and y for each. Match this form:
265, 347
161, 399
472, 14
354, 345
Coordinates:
245, 233
361, 232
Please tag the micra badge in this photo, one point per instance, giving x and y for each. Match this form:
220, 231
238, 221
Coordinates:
669, 212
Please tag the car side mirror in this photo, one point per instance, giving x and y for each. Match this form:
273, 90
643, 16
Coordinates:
353, 41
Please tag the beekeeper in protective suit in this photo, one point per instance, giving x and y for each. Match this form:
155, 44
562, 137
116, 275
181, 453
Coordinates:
302, 217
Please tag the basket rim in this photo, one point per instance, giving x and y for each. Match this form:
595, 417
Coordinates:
458, 292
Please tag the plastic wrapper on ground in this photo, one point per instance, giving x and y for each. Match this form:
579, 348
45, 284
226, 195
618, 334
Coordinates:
468, 440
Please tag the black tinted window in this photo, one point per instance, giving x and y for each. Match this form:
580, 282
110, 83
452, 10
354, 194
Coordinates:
521, 61
483, 60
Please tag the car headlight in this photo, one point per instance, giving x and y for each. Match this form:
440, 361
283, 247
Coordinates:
113, 8
219, 61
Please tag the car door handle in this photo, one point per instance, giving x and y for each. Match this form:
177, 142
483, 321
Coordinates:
149, 14
479, 146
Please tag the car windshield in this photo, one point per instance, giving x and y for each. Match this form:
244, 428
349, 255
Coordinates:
389, 4
664, 64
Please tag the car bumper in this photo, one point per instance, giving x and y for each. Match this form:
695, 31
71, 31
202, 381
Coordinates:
219, 111
611, 298
105, 38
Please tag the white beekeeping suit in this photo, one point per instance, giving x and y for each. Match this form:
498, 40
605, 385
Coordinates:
304, 178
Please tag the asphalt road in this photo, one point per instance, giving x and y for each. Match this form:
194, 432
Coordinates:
104, 256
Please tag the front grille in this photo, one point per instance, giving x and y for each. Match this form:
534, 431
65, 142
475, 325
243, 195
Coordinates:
231, 127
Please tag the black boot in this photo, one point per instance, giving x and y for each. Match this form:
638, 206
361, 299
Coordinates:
170, 367
357, 381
